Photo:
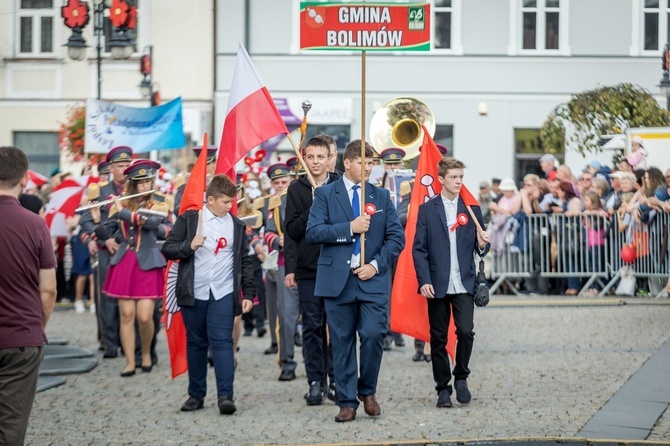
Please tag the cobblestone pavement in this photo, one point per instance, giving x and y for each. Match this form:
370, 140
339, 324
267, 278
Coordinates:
540, 369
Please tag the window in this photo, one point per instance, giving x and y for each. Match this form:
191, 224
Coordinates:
444, 134
41, 148
528, 150
655, 19
540, 24
443, 16
36, 27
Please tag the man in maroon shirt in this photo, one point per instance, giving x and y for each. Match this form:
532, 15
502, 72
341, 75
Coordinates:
27, 296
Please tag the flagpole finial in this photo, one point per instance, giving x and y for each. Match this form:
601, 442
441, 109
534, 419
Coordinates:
306, 106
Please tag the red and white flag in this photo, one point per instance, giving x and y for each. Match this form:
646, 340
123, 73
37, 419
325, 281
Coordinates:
175, 330
64, 200
36, 180
252, 116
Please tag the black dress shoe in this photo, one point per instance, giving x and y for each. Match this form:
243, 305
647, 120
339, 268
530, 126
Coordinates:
462, 392
227, 405
110, 353
287, 375
248, 331
147, 368
346, 414
387, 344
333, 394
192, 404
271, 350
314, 396
261, 331
444, 399
418, 356
127, 373
399, 341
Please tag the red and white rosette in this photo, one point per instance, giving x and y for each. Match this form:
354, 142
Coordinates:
221, 243
370, 209
461, 220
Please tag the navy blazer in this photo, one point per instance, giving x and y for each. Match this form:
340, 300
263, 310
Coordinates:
431, 249
329, 224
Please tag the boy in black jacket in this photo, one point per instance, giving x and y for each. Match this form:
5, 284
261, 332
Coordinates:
214, 270
316, 352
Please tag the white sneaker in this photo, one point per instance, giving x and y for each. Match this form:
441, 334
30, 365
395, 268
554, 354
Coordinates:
92, 308
79, 306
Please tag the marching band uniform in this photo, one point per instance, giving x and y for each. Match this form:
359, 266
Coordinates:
392, 158
282, 299
137, 268
96, 230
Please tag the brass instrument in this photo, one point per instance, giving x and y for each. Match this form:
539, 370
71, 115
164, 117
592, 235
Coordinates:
105, 202
398, 123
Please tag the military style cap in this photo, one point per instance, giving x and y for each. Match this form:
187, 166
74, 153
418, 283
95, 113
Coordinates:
142, 170
292, 163
103, 167
119, 154
376, 156
211, 153
443, 150
278, 170
392, 155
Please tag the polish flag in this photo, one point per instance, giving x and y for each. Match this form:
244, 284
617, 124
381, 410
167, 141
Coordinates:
252, 116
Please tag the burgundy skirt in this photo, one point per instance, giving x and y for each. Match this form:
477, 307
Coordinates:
126, 280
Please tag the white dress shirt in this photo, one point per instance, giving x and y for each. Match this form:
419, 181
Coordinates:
356, 258
455, 283
214, 271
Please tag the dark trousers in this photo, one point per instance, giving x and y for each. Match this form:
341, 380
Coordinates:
350, 312
439, 312
256, 317
316, 351
19, 368
209, 324
108, 308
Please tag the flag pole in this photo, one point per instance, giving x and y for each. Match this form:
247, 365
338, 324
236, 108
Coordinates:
363, 179
302, 161
204, 147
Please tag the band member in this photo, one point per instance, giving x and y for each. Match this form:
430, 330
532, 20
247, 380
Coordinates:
355, 289
136, 274
96, 237
392, 158
316, 351
214, 270
282, 301
443, 249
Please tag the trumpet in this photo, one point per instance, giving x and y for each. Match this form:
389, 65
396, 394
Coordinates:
103, 203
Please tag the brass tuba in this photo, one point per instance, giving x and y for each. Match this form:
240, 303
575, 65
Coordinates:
398, 123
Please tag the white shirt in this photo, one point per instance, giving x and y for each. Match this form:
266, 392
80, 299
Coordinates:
356, 258
214, 271
455, 283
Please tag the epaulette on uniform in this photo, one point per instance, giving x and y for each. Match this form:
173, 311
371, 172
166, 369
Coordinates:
274, 202
259, 203
406, 187
104, 183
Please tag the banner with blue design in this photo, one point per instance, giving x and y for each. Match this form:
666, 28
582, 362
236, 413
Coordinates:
109, 125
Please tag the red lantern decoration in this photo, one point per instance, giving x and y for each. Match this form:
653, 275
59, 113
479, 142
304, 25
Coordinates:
260, 154
628, 253
249, 161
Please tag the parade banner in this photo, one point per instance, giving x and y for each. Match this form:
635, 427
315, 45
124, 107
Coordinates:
365, 26
109, 125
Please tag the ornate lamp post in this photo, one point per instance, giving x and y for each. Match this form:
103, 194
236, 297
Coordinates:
123, 18
664, 86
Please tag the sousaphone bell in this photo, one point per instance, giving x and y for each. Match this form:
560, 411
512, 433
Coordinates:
398, 123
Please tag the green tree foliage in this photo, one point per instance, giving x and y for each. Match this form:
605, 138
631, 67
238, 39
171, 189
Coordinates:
579, 124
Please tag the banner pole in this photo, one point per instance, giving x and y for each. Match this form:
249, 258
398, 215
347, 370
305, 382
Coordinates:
363, 179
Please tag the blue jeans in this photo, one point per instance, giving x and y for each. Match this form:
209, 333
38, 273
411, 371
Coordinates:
209, 324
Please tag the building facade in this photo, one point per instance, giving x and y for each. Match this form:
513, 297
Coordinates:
38, 81
496, 69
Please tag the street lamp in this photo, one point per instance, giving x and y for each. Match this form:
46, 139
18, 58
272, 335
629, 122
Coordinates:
123, 18
664, 86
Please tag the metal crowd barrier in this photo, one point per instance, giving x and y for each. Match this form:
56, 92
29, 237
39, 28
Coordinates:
539, 247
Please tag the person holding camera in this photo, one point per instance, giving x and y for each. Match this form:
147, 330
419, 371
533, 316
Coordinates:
445, 239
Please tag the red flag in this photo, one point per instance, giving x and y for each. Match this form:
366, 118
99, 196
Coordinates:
175, 331
252, 116
63, 202
409, 310
467, 197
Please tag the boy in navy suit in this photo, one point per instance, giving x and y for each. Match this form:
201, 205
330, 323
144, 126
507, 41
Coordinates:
445, 240
355, 290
